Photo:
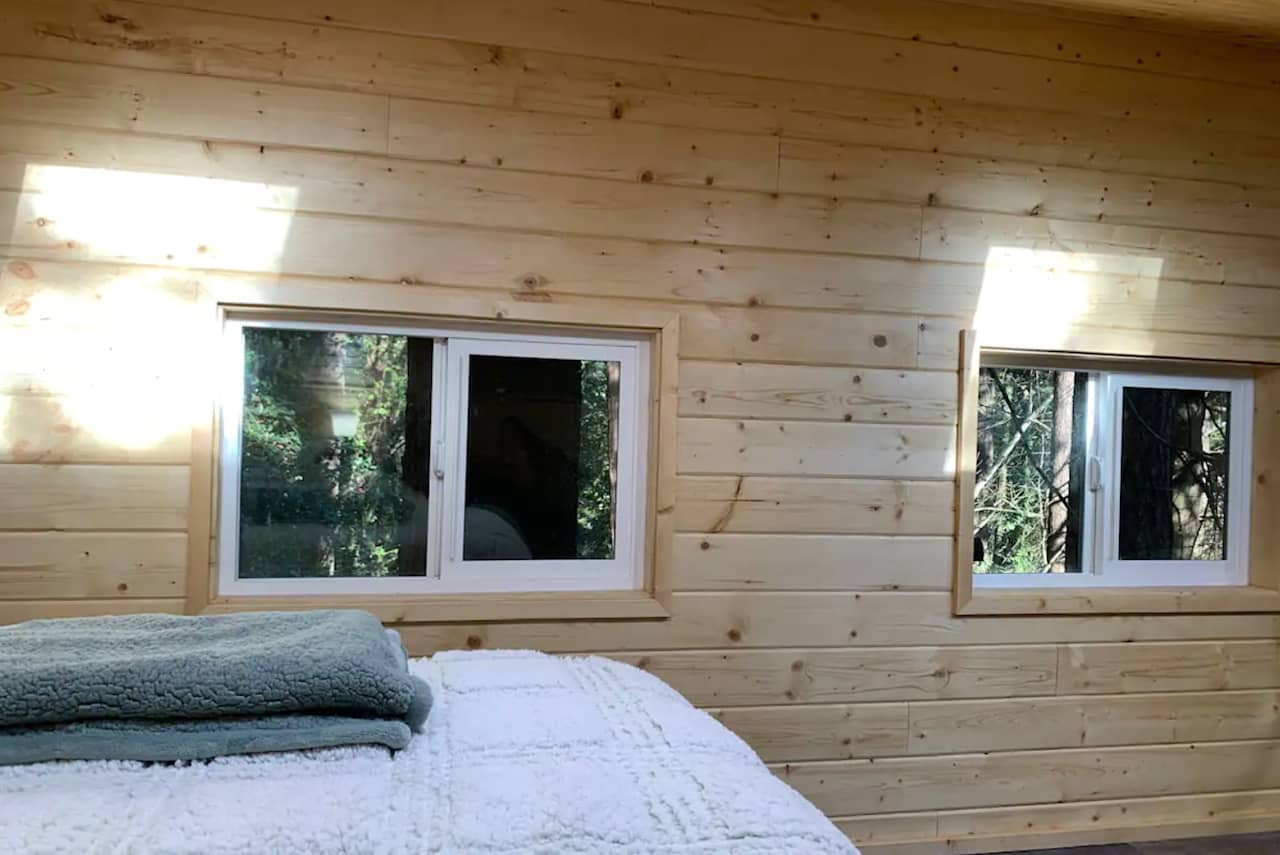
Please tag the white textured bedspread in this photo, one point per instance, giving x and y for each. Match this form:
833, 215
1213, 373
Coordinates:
523, 753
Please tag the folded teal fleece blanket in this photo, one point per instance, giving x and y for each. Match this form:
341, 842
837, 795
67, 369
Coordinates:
167, 688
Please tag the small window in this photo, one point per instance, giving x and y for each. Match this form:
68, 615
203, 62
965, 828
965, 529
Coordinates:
368, 459
1087, 476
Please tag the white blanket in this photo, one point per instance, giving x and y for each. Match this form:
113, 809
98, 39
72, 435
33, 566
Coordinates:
523, 753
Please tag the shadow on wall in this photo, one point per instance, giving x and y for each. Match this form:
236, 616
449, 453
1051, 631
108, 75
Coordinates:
96, 360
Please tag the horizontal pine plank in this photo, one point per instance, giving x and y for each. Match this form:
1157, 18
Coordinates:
204, 107
768, 447
17, 611
983, 830
1077, 721
764, 562
813, 506
830, 619
90, 427
125, 498
1110, 668
70, 565
762, 391
819, 731
1029, 777
742, 678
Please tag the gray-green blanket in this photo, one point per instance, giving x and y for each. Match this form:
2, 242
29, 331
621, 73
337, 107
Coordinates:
160, 687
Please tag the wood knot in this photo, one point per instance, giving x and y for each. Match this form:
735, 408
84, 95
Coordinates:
531, 281
798, 665
615, 110
753, 302
880, 341
17, 308
735, 635
704, 546
22, 270
755, 336
646, 177
122, 587
474, 642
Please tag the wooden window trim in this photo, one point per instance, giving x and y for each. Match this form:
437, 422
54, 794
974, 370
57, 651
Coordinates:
1261, 594
424, 304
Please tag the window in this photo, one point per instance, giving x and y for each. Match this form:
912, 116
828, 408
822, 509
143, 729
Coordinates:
1095, 477
372, 459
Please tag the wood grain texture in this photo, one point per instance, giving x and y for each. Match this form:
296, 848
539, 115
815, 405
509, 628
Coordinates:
821, 195
762, 391
1173, 667
79, 565
1075, 721
739, 678
812, 506
984, 830
819, 731
78, 497
798, 562
767, 447
1029, 777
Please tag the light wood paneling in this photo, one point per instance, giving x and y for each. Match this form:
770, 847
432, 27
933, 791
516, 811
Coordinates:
16, 611
1069, 722
119, 498
812, 506
740, 678
1172, 667
1028, 777
757, 562
824, 194
213, 108
829, 619
99, 565
756, 391
984, 830
760, 447
48, 429
819, 731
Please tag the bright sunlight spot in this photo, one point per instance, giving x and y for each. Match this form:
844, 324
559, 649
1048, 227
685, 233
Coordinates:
1035, 298
115, 348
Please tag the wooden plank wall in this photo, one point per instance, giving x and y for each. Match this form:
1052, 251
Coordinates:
827, 192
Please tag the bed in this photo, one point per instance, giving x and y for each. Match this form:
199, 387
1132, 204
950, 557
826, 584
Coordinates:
522, 753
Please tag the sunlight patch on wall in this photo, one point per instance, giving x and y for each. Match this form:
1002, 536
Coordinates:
150, 218
1037, 298
117, 342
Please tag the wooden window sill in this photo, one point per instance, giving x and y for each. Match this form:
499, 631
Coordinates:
573, 605
1116, 601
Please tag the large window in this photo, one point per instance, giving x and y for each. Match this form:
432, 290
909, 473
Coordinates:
370, 459
1088, 476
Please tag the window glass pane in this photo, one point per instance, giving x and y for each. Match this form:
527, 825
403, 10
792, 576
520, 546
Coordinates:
334, 470
1030, 480
1173, 474
542, 459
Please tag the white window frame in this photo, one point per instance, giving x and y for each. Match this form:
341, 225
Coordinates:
445, 571
1100, 531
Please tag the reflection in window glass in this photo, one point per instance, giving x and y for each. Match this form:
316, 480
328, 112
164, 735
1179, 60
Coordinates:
1029, 482
335, 454
542, 459
1173, 474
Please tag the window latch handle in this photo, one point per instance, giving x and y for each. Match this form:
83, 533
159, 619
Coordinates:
436, 469
1095, 474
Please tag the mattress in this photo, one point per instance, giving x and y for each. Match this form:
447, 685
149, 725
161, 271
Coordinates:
522, 753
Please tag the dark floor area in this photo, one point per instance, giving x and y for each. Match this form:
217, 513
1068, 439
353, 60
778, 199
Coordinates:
1251, 844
